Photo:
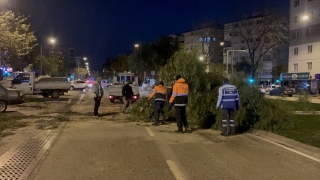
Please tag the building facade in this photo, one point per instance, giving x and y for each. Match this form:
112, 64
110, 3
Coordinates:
237, 46
67, 52
304, 37
206, 41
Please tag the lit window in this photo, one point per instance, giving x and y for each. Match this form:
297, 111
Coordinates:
309, 65
310, 49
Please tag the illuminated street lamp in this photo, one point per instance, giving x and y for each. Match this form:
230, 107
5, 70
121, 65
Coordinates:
51, 41
305, 17
222, 43
136, 45
85, 58
87, 63
201, 58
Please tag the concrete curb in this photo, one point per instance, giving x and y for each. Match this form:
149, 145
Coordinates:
307, 112
289, 143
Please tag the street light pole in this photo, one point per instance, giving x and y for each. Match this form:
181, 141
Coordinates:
41, 62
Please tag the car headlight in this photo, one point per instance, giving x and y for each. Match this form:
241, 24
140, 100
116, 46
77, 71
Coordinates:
90, 85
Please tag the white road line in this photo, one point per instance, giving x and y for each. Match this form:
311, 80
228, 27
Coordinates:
82, 95
150, 131
175, 170
287, 148
69, 101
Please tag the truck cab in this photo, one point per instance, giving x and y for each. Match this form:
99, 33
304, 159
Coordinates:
119, 80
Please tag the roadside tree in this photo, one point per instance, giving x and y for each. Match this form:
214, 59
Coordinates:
16, 38
261, 35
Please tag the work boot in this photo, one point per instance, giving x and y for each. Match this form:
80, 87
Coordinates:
223, 134
178, 131
232, 130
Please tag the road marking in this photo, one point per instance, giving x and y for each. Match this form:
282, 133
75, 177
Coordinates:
69, 101
150, 131
82, 95
287, 148
175, 170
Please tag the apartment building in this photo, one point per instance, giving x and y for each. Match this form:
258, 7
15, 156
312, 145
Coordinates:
67, 52
206, 41
304, 56
237, 47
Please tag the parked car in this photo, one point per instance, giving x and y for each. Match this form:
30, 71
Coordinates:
271, 87
80, 84
280, 91
9, 96
105, 83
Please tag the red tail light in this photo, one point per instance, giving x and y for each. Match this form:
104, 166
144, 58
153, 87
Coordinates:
110, 97
135, 97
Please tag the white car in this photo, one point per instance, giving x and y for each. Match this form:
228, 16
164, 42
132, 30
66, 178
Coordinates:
80, 84
271, 87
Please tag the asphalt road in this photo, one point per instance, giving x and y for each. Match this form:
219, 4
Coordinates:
97, 148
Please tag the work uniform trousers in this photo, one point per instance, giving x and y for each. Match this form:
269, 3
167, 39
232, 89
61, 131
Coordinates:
228, 116
97, 101
180, 112
126, 105
158, 108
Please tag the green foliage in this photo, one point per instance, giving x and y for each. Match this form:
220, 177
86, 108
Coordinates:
81, 71
142, 109
16, 39
256, 112
53, 65
120, 64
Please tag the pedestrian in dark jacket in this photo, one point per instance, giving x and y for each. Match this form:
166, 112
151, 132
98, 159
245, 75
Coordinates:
127, 94
228, 101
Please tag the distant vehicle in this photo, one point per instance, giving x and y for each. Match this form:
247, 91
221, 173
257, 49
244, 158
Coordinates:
8, 97
47, 86
271, 87
105, 83
119, 79
80, 84
280, 91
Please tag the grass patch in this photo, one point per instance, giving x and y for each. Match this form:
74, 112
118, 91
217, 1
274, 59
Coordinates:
306, 130
51, 123
10, 123
301, 106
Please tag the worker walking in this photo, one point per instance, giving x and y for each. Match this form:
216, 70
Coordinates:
179, 98
228, 101
127, 94
97, 93
160, 94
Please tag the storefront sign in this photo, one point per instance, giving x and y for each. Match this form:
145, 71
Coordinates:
295, 76
317, 76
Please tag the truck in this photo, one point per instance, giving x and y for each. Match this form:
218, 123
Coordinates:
45, 85
119, 80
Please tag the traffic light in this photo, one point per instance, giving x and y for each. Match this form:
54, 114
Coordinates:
277, 80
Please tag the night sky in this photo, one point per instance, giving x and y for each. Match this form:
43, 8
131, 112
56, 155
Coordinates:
99, 29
